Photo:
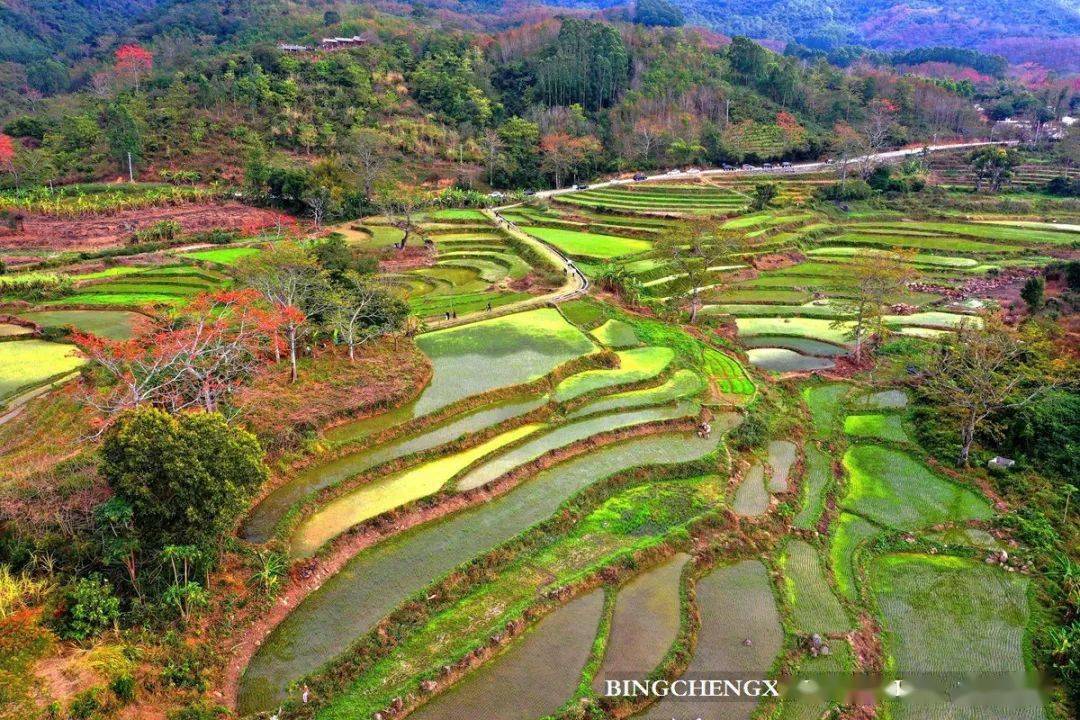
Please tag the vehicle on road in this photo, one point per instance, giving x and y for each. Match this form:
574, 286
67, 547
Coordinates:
582, 186
638, 177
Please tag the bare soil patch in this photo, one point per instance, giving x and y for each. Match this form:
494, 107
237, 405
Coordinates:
45, 232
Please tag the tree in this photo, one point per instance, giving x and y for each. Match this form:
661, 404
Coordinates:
696, 248
1032, 293
7, 156
763, 195
978, 371
133, 62
193, 360
993, 165
875, 278
400, 204
363, 311
319, 202
91, 608
186, 476
290, 279
875, 131
123, 132
563, 154
366, 153
846, 142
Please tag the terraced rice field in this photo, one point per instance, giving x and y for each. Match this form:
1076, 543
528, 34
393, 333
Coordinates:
25, 364
563, 436
668, 199
512, 350
816, 482
644, 625
544, 669
752, 496
683, 384
851, 477
895, 490
222, 256
847, 535
589, 245
260, 524
392, 492
112, 324
635, 365
782, 360
736, 604
946, 614
815, 608
475, 265
810, 328
169, 285
876, 427
351, 601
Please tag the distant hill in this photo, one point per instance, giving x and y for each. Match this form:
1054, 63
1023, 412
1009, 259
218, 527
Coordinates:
1044, 31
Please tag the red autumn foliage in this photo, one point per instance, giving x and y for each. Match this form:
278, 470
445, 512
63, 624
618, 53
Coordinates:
194, 361
7, 149
133, 61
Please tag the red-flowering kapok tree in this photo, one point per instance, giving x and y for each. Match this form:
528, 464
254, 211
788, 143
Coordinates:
195, 361
133, 62
7, 156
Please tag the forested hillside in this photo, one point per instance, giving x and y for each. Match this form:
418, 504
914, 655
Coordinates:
534, 105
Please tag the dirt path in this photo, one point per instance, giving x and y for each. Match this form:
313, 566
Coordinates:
576, 283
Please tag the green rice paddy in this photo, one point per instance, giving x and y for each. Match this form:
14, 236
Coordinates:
635, 365
25, 364
876, 427
815, 608
616, 334
683, 384
391, 492
111, 324
945, 615
222, 256
589, 245
817, 478
511, 350
895, 490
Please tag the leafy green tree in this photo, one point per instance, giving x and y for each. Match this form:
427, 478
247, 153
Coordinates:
993, 165
764, 193
980, 371
186, 477
446, 84
590, 65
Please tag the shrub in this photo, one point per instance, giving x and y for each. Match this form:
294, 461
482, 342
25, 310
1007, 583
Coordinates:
850, 190
199, 711
123, 687
1063, 187
91, 608
1033, 291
